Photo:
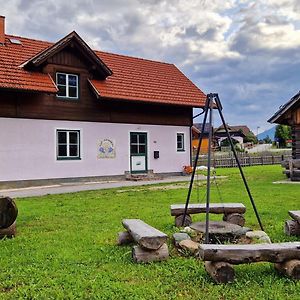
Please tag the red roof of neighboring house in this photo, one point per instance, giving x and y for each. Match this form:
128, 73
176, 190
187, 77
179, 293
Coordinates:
132, 78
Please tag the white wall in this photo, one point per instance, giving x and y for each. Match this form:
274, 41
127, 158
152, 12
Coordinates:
28, 149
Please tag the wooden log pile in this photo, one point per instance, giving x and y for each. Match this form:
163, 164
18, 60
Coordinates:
8, 216
292, 169
220, 258
292, 227
151, 243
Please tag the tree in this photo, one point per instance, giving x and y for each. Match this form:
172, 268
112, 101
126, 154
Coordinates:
282, 134
267, 140
250, 138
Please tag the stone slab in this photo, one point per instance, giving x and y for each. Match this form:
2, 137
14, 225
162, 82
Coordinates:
218, 227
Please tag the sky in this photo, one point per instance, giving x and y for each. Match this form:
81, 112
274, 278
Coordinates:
246, 51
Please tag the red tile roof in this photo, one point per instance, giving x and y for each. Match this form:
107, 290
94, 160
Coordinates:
132, 79
12, 76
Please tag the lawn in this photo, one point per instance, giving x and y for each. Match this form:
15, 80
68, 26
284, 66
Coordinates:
65, 247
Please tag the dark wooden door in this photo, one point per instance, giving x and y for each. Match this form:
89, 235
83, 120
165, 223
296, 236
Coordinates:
138, 152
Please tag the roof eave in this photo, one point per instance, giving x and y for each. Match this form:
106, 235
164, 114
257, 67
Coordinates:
146, 101
30, 90
284, 108
96, 92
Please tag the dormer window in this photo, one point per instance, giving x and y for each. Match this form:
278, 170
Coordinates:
67, 85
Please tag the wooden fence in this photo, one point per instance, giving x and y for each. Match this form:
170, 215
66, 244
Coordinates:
245, 159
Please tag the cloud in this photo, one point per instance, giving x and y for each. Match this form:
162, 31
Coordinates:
245, 50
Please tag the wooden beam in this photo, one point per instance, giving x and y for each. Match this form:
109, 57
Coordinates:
144, 234
240, 254
215, 208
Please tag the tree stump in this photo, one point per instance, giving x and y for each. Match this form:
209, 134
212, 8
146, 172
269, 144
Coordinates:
292, 227
221, 272
235, 218
142, 255
290, 268
9, 231
8, 212
179, 219
124, 238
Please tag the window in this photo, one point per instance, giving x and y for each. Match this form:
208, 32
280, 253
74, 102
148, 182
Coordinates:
68, 144
67, 85
180, 141
138, 143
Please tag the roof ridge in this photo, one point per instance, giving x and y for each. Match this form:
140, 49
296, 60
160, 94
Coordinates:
136, 57
95, 50
26, 38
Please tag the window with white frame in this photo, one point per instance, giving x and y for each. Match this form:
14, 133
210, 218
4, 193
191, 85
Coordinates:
67, 85
180, 141
68, 144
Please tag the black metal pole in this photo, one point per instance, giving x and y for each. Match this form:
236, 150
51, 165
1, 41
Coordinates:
210, 96
196, 161
218, 103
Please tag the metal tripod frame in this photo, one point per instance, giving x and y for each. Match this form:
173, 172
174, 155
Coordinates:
213, 102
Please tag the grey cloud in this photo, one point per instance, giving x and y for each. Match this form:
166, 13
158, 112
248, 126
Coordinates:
251, 78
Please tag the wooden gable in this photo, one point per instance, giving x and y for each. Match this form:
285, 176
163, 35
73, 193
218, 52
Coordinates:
70, 51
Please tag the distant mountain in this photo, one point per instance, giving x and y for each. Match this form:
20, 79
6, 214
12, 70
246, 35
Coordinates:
270, 132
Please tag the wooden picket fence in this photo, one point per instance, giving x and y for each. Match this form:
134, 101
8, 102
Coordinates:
246, 159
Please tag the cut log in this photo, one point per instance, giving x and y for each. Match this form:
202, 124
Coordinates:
235, 218
240, 254
290, 268
8, 212
295, 214
141, 255
8, 232
124, 238
215, 208
187, 221
221, 272
144, 234
292, 227
296, 163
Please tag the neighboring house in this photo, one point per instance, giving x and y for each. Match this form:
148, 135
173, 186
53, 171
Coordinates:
67, 111
289, 114
196, 130
237, 133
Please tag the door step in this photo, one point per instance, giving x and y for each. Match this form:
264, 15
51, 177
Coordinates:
142, 176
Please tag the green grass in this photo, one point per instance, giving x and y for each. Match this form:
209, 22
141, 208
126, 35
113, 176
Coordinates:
65, 247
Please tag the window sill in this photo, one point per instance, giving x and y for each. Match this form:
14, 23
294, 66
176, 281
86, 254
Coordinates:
183, 150
68, 158
67, 98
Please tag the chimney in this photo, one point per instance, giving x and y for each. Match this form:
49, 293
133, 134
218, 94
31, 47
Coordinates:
2, 30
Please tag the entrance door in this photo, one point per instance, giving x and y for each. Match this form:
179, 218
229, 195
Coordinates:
138, 152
